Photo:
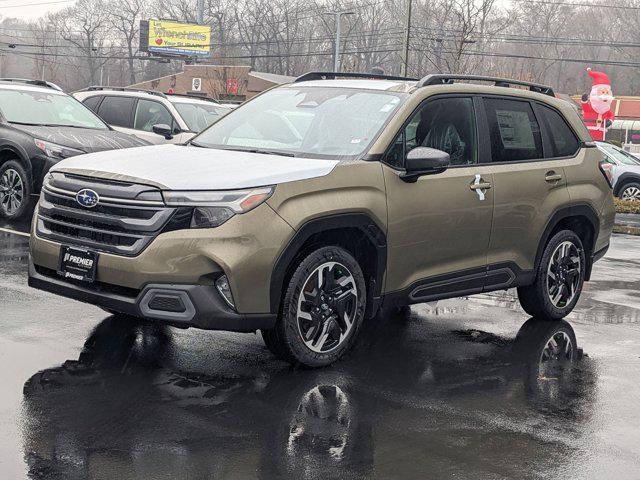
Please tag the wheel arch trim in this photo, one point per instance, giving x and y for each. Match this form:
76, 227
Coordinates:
576, 210
623, 180
361, 221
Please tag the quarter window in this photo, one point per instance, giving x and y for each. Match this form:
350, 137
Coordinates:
447, 124
514, 131
150, 113
116, 111
92, 102
563, 140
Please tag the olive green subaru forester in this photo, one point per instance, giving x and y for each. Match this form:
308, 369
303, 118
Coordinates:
307, 209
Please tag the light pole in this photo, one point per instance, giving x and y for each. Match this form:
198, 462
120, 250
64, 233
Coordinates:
336, 55
405, 49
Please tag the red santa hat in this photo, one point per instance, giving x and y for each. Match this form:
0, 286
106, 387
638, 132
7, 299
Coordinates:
599, 78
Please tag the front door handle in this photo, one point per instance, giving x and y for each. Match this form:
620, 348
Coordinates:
552, 177
480, 186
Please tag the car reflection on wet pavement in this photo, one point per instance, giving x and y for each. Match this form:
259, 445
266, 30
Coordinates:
466, 388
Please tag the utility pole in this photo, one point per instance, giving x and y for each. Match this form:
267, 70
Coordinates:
200, 16
336, 55
407, 33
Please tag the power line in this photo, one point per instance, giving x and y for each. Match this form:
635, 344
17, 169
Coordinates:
51, 2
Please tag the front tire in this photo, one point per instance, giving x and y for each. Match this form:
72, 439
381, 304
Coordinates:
559, 278
631, 192
15, 190
322, 309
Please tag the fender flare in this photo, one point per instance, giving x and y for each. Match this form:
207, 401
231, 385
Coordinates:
580, 209
23, 157
361, 221
624, 178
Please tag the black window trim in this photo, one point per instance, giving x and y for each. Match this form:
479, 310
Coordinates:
538, 106
100, 99
542, 136
543, 131
477, 119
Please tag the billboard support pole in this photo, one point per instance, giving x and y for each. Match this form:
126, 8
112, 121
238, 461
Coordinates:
200, 17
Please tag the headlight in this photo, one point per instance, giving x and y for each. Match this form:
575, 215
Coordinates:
57, 152
213, 208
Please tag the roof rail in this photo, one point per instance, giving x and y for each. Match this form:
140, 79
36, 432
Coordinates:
445, 79
309, 76
192, 95
93, 88
29, 81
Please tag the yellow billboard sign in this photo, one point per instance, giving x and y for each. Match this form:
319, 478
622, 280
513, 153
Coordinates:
176, 38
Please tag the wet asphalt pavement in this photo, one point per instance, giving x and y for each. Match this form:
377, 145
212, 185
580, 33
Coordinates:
455, 389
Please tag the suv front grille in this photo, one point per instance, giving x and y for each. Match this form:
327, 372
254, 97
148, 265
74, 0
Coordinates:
119, 223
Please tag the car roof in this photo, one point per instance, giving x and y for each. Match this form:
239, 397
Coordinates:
29, 88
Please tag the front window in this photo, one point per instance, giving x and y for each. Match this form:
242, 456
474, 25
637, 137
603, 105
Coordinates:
199, 116
315, 122
46, 108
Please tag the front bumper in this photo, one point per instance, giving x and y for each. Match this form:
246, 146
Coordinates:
180, 305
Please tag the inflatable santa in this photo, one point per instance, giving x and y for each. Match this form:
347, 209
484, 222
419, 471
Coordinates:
596, 106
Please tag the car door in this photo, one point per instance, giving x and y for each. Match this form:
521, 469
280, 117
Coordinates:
149, 113
439, 227
530, 146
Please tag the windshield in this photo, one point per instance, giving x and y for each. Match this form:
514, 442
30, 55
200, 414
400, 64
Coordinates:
46, 108
315, 122
619, 155
199, 116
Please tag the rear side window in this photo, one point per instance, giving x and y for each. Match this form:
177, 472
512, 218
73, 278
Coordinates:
117, 111
515, 133
92, 102
563, 141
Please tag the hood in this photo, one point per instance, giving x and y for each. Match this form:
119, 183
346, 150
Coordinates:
85, 139
177, 167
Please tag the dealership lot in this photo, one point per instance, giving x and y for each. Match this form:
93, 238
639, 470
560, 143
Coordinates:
446, 389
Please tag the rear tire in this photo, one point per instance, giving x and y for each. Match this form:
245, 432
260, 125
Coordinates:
15, 190
559, 278
322, 309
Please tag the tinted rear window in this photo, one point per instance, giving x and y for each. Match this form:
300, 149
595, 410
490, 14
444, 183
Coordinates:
117, 111
92, 102
515, 133
563, 140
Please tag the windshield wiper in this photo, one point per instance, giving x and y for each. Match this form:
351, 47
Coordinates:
196, 144
265, 152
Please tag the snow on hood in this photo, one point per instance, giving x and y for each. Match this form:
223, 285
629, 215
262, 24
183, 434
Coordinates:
177, 167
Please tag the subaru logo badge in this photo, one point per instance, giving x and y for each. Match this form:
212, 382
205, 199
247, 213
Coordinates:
87, 198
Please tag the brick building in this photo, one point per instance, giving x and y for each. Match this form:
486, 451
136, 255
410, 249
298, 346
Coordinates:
224, 83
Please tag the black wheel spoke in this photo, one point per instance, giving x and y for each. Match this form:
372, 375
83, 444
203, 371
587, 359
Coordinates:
326, 307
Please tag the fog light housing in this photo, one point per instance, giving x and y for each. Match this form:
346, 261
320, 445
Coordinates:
222, 284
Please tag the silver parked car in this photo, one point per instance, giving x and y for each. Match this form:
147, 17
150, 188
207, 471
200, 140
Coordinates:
625, 169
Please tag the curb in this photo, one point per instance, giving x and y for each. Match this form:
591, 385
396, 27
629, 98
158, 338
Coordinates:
626, 229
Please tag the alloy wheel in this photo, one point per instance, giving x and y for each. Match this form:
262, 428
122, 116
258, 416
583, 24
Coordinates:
563, 274
327, 307
631, 193
12, 191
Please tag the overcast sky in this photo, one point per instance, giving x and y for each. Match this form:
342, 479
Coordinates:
31, 9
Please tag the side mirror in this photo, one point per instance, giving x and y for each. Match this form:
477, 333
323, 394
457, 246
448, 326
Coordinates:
164, 130
424, 161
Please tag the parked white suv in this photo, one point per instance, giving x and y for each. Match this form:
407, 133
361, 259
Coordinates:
625, 171
153, 116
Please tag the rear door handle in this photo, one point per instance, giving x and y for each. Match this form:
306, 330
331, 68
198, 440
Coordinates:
552, 177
